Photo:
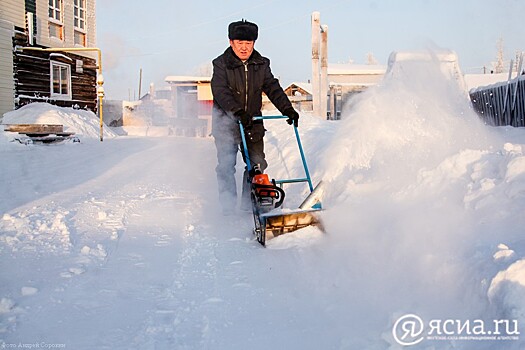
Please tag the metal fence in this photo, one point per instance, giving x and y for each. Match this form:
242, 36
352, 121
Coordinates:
502, 104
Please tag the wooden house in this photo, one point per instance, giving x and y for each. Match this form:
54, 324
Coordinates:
59, 77
300, 94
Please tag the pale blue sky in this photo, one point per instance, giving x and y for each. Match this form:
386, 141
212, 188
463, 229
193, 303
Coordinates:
172, 37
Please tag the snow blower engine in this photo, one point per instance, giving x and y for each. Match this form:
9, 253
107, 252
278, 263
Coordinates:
266, 195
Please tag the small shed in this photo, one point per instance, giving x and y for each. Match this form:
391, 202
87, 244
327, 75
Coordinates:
192, 103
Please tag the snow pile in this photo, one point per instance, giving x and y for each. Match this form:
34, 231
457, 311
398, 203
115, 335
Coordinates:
419, 195
507, 291
417, 190
81, 122
36, 232
413, 120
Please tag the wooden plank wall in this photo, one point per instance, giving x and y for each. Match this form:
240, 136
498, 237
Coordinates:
502, 104
32, 77
13, 11
7, 87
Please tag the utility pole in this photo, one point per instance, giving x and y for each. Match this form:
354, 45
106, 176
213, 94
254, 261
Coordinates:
319, 71
140, 83
315, 63
324, 72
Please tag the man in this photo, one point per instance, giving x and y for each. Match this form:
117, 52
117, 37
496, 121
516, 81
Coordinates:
240, 76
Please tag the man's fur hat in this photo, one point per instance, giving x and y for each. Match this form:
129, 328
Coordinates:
243, 30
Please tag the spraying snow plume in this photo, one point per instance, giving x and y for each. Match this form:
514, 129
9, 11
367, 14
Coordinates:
413, 119
396, 192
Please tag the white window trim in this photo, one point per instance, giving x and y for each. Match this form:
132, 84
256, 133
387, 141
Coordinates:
61, 9
58, 23
83, 31
54, 95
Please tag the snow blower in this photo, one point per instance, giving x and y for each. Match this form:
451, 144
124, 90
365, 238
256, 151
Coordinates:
268, 196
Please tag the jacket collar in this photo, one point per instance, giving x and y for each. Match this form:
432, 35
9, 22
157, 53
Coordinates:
233, 61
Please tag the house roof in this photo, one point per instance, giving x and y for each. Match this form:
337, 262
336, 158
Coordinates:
482, 80
171, 79
305, 86
355, 69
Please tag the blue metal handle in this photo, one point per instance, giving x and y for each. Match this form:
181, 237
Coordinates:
303, 158
245, 148
262, 117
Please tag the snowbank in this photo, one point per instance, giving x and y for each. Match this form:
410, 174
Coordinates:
417, 189
83, 123
507, 291
422, 199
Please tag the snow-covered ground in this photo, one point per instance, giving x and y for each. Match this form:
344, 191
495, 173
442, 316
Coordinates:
120, 244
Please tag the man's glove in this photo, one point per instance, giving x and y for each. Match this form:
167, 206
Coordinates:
245, 118
293, 116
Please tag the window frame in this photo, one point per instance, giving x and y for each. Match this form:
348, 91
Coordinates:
54, 8
60, 95
53, 21
80, 30
77, 9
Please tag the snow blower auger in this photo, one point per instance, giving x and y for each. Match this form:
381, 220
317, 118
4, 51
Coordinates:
267, 198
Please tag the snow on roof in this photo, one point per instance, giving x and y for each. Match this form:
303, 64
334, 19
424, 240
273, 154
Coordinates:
355, 69
305, 86
419, 62
331, 83
54, 54
440, 55
482, 80
186, 79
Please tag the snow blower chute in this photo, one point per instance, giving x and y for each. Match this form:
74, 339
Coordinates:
267, 197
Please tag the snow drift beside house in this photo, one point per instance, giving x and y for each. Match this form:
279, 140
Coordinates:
82, 122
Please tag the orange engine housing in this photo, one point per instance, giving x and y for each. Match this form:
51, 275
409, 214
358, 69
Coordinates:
263, 186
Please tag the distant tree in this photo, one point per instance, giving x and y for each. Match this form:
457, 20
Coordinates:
499, 66
370, 59
519, 57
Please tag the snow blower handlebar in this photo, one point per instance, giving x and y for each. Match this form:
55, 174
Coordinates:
303, 158
269, 219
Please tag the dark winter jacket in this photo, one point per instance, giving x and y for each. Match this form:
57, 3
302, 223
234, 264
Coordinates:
232, 93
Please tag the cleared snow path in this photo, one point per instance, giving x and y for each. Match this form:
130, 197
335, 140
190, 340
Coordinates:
131, 253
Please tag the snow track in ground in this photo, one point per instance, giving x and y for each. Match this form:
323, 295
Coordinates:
142, 259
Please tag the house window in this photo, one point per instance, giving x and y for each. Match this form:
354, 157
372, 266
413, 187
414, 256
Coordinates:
60, 80
80, 14
80, 38
56, 19
80, 22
